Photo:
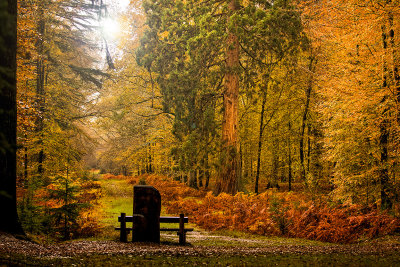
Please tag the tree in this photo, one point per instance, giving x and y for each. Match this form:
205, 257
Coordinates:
187, 94
8, 118
57, 87
135, 131
358, 83
198, 56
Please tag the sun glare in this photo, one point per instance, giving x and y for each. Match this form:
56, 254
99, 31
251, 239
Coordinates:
124, 3
110, 27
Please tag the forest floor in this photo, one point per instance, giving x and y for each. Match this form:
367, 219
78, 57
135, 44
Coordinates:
214, 249
217, 248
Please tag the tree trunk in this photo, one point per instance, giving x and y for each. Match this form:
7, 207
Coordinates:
303, 123
150, 163
290, 155
260, 136
202, 171
124, 170
193, 179
246, 161
201, 176
273, 182
229, 171
40, 80
308, 147
207, 173
26, 160
395, 61
384, 134
386, 203
8, 119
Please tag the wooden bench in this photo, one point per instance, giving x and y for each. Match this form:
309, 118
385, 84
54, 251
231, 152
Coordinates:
181, 231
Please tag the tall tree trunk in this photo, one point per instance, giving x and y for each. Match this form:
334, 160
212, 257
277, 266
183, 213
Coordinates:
193, 179
396, 74
229, 172
308, 147
202, 171
273, 182
260, 137
315, 157
386, 203
40, 80
9, 221
246, 159
124, 170
66, 228
26, 160
290, 155
207, 173
395, 61
151, 167
303, 122
201, 176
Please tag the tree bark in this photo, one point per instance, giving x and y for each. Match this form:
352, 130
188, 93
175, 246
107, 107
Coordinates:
386, 203
8, 119
229, 171
308, 147
193, 179
290, 155
273, 182
303, 123
207, 173
25, 160
151, 167
260, 136
201, 176
40, 80
395, 63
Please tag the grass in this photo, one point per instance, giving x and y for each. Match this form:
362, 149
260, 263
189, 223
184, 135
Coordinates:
117, 198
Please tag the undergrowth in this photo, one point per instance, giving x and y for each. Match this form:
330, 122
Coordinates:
271, 213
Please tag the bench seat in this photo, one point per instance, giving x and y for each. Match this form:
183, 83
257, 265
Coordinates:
181, 220
161, 229
163, 219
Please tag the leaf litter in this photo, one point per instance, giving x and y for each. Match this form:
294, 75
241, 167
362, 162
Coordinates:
10, 245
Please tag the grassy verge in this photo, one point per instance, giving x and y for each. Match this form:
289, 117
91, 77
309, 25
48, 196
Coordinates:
117, 198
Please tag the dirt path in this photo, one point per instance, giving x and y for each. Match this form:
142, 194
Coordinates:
10, 245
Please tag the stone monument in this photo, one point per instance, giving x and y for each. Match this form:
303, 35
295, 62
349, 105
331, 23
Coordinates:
146, 214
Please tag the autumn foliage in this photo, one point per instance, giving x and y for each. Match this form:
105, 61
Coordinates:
319, 90
272, 213
62, 212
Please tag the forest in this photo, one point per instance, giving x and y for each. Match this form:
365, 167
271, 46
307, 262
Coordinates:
274, 118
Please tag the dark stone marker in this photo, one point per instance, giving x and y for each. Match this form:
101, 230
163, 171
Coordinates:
146, 202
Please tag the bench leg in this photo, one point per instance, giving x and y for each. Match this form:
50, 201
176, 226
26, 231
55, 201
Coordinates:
182, 238
123, 234
182, 233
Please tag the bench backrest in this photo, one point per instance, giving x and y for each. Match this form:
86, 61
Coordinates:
147, 202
